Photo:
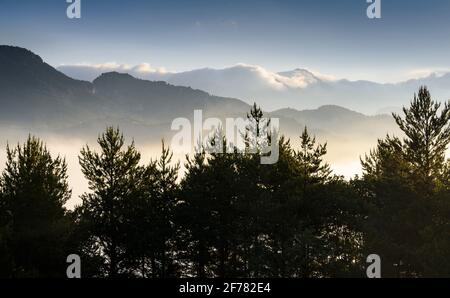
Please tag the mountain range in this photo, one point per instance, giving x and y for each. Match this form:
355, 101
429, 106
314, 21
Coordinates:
37, 98
298, 89
34, 94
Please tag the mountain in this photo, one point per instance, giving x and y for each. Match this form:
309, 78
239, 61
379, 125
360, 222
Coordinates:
299, 88
150, 101
38, 99
299, 77
35, 95
31, 90
338, 121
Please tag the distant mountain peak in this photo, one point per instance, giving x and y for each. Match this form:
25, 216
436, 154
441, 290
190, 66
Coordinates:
335, 109
297, 73
323, 109
114, 75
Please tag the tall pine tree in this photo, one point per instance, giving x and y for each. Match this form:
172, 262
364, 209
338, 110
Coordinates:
34, 190
113, 174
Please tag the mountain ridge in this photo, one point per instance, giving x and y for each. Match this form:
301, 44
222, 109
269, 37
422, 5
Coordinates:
40, 100
298, 88
120, 98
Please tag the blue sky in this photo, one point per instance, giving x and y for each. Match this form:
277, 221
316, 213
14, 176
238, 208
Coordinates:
328, 36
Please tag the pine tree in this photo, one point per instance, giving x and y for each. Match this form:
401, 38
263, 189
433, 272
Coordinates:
315, 231
392, 230
164, 202
405, 189
279, 214
34, 190
113, 175
195, 215
427, 131
253, 198
223, 188
139, 225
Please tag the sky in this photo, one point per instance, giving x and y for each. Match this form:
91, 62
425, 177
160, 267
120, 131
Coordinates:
331, 37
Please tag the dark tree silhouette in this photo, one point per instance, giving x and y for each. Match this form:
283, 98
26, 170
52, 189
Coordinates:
427, 131
34, 189
404, 186
230, 215
112, 175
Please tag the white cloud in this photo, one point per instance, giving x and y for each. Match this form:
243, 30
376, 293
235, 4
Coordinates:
295, 89
324, 77
88, 72
426, 72
259, 76
272, 79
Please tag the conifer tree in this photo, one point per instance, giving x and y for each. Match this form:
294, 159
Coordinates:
113, 174
405, 189
163, 203
427, 131
195, 215
34, 190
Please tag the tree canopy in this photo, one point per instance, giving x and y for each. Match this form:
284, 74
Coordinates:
227, 214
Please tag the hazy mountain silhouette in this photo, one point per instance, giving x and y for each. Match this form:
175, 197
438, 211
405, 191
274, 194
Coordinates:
298, 88
36, 97
32, 93
338, 121
155, 102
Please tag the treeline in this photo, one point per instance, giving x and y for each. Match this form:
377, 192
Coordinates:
231, 216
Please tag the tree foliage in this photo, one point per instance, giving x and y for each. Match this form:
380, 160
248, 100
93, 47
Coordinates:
230, 215
33, 221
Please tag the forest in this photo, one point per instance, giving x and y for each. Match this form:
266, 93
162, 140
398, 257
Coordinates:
229, 216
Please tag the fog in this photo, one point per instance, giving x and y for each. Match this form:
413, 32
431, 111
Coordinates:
343, 156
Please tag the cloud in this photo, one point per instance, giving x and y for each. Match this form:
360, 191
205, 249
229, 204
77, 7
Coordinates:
271, 79
89, 72
324, 77
256, 75
296, 79
422, 73
298, 88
